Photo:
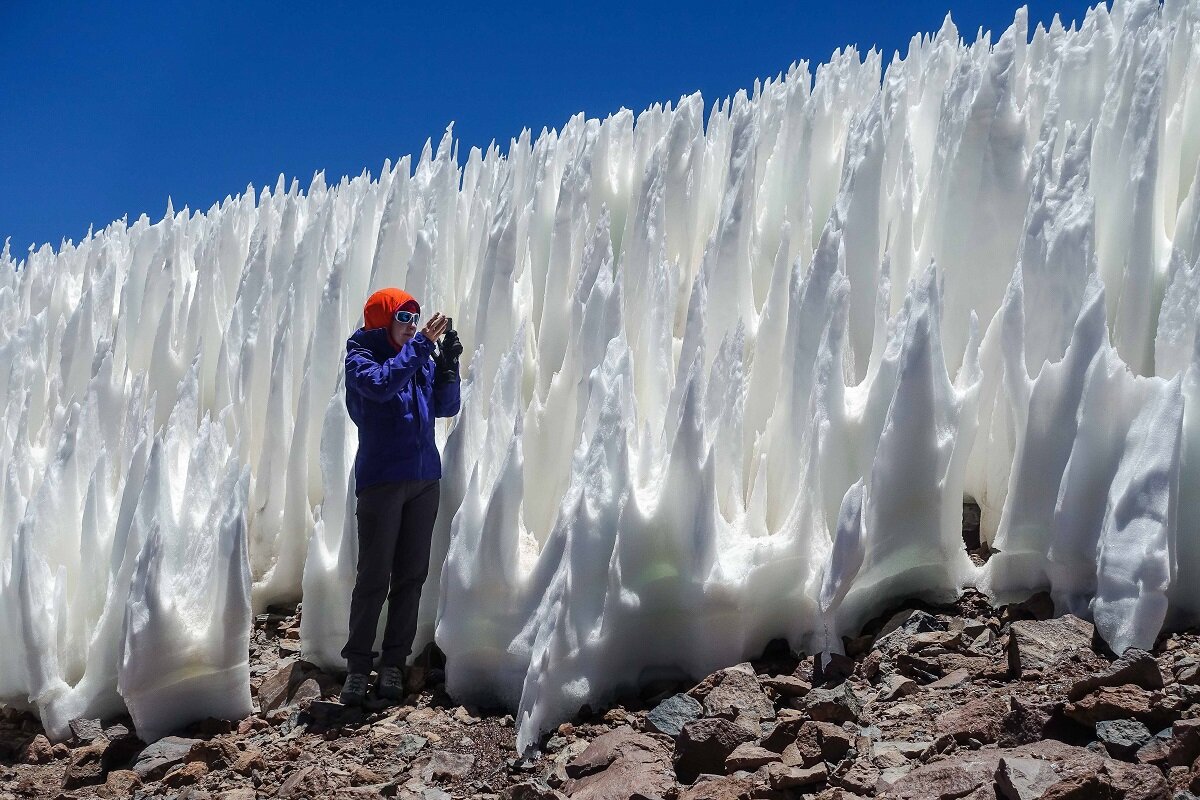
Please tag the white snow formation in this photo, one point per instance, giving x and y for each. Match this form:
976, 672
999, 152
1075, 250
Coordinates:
730, 379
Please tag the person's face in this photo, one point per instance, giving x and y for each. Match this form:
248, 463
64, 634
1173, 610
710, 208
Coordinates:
402, 332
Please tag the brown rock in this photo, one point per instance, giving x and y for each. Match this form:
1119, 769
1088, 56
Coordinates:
1024, 723
1120, 702
817, 742
1024, 778
442, 765
122, 782
782, 776
306, 691
251, 724
787, 685
273, 691
832, 668
749, 757
909, 750
943, 779
634, 771
215, 753
868, 668
1135, 666
153, 762
981, 720
715, 787
303, 782
738, 694
240, 793
86, 767
947, 640
362, 776
186, 775
701, 689
887, 757
620, 744
860, 777
1179, 749
704, 744
923, 668
895, 686
951, 679
784, 732
895, 633
834, 740
839, 704
802, 754
118, 748
415, 678
1086, 779
1039, 606
249, 761
85, 730
1070, 772
38, 751
975, 665
858, 645
1042, 644
1188, 673
531, 790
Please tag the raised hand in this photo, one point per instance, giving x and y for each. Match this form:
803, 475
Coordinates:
435, 327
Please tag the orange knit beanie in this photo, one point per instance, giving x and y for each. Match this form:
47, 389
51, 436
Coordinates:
383, 305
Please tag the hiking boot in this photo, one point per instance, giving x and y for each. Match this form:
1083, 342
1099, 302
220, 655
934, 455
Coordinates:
391, 683
354, 690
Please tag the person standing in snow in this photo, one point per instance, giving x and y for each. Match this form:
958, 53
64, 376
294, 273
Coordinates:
396, 384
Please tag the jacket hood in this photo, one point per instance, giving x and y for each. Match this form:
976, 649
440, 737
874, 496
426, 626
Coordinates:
383, 305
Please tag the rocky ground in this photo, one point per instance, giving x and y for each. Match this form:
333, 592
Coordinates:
964, 701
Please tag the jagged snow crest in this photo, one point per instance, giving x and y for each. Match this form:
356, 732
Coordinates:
730, 381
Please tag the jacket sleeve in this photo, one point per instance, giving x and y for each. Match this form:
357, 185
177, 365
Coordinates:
446, 398
380, 382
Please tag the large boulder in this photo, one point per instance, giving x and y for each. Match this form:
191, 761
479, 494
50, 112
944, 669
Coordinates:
622, 743
1042, 644
86, 766
717, 787
749, 757
1122, 702
1047, 769
1177, 747
704, 744
618, 765
1135, 667
739, 696
981, 720
839, 704
153, 762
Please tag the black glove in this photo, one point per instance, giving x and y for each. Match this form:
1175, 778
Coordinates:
449, 349
451, 345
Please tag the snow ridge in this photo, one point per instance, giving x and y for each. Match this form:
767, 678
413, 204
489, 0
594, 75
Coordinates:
730, 381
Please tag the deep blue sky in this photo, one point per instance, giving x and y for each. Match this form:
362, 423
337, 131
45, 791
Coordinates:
108, 108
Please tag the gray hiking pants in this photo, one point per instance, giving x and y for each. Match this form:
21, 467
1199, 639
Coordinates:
395, 527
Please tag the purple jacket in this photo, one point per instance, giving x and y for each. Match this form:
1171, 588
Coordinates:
393, 398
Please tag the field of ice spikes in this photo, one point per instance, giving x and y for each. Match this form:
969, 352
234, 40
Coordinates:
729, 378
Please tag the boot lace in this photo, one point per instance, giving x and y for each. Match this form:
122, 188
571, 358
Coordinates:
391, 678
